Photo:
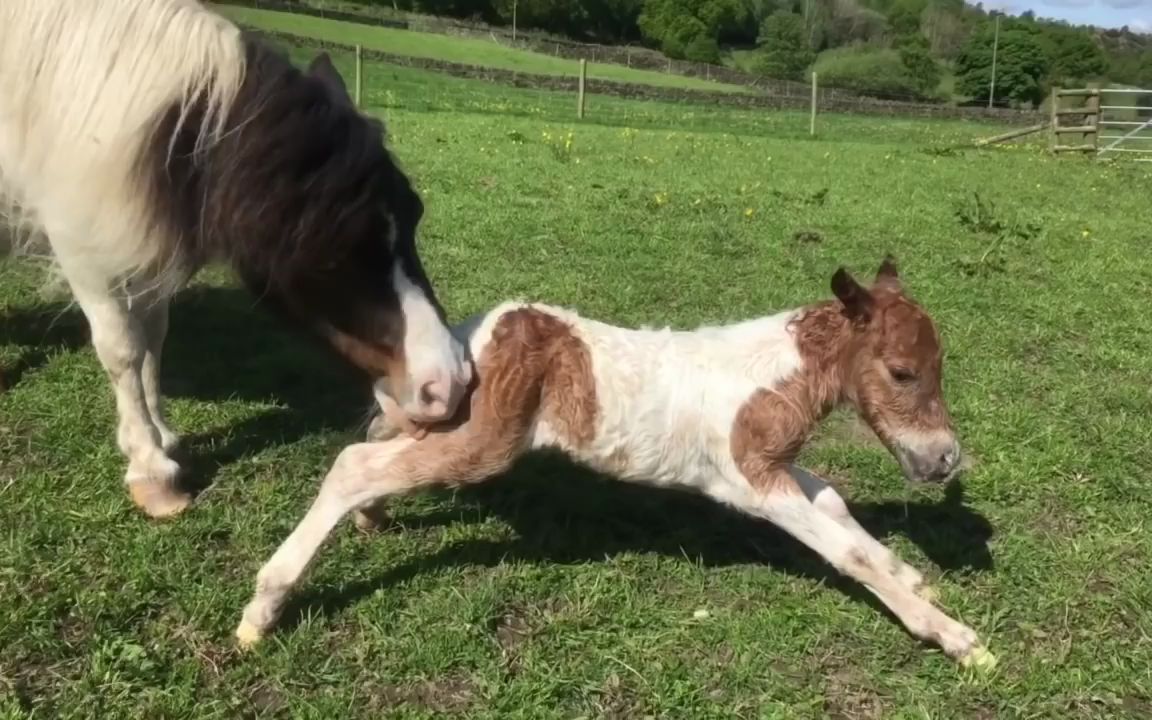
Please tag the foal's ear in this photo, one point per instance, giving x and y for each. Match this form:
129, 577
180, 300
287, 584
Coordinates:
855, 297
887, 275
323, 70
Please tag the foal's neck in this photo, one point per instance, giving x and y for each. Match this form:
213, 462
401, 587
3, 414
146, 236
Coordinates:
827, 343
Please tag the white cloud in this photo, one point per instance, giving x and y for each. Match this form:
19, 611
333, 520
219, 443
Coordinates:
1140, 26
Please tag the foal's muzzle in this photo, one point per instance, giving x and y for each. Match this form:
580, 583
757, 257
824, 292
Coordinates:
931, 458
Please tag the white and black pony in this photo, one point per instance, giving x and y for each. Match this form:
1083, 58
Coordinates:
145, 138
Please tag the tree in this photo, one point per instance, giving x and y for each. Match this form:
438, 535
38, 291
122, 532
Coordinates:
1076, 58
1021, 66
916, 57
783, 47
677, 25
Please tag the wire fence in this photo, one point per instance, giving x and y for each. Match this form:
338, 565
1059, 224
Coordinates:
639, 58
794, 96
397, 87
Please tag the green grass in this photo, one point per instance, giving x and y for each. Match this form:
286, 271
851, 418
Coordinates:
555, 593
456, 49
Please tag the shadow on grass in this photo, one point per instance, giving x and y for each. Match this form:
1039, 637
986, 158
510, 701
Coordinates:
220, 347
563, 514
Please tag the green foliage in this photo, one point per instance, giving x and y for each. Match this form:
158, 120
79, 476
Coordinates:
880, 73
924, 34
684, 28
916, 56
1076, 57
1021, 66
784, 52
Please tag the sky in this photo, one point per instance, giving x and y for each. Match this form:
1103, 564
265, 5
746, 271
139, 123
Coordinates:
1136, 14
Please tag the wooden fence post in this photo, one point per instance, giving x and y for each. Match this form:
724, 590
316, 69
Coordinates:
580, 92
1055, 139
359, 74
812, 119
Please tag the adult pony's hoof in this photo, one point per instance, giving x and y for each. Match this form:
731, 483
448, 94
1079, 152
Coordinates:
248, 635
157, 493
979, 658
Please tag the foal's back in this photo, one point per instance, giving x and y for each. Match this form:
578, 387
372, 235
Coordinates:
656, 406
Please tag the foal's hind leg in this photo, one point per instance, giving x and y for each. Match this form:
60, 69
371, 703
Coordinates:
825, 499
121, 344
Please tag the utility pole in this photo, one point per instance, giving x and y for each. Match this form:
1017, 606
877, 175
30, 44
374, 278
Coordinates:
995, 48
513, 20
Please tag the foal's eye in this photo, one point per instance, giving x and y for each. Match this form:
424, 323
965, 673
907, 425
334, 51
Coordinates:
902, 375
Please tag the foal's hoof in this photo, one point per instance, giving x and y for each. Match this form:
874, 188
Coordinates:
979, 658
248, 635
158, 495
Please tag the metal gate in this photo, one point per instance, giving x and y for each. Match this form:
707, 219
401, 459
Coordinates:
1125, 124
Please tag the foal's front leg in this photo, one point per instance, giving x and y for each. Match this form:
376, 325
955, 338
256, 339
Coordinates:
359, 476
778, 497
825, 499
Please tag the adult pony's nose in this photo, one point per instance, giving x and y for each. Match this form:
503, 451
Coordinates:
438, 398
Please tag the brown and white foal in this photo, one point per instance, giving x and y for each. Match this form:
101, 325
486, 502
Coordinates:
722, 410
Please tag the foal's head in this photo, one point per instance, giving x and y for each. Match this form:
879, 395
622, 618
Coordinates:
892, 374
336, 241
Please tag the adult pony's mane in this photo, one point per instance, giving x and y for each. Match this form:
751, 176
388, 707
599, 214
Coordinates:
294, 184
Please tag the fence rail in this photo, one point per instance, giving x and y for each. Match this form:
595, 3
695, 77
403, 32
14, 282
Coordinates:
831, 98
1131, 124
828, 101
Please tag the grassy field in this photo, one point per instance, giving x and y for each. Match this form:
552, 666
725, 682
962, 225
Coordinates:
556, 593
470, 51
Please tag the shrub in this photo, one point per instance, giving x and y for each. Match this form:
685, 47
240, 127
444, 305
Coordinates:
879, 73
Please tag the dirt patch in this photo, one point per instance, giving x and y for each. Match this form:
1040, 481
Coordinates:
847, 696
511, 629
449, 694
617, 701
265, 700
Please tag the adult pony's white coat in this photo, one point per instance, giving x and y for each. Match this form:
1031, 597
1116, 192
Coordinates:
144, 138
81, 87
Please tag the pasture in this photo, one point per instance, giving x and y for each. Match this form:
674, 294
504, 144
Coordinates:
556, 593
469, 51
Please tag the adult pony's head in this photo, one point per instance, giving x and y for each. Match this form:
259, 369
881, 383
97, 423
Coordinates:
317, 218
892, 373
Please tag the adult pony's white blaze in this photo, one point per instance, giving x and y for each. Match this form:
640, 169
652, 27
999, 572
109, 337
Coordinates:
722, 410
438, 371
144, 138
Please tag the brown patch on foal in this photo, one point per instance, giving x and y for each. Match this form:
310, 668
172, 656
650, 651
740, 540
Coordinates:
774, 424
533, 366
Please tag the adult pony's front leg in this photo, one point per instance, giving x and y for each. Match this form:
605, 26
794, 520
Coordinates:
153, 318
121, 343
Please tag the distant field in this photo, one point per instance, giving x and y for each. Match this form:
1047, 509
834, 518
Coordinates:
470, 51
554, 592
